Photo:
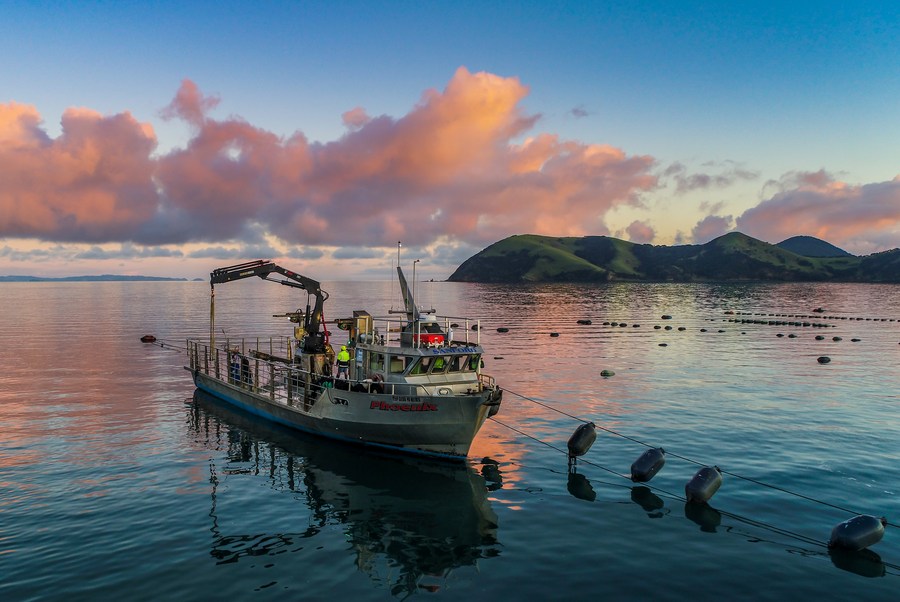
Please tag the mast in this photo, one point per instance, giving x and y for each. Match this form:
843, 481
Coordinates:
212, 315
412, 312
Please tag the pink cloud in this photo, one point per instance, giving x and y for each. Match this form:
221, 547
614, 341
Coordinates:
640, 232
860, 218
190, 105
452, 166
92, 183
710, 227
355, 118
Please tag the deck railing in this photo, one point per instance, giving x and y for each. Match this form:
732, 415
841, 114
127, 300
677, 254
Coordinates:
385, 330
267, 370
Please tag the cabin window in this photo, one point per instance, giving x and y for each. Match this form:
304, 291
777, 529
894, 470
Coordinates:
376, 362
421, 366
397, 364
458, 363
439, 365
474, 360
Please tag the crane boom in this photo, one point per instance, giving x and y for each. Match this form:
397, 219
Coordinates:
315, 341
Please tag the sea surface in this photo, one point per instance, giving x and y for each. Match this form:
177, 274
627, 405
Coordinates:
119, 481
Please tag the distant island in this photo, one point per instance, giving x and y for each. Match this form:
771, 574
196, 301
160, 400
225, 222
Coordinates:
732, 257
101, 278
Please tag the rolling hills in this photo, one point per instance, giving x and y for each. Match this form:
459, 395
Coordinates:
734, 256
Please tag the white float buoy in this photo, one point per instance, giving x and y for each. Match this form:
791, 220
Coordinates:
857, 533
704, 485
648, 464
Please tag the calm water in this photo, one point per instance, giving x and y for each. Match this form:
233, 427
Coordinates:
116, 481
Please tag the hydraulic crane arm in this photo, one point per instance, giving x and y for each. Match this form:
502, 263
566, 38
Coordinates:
315, 342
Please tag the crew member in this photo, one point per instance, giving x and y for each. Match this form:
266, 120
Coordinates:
343, 362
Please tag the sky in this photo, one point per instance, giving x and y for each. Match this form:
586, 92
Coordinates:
172, 138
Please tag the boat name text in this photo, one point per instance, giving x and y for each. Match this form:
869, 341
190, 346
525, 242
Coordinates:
402, 407
450, 350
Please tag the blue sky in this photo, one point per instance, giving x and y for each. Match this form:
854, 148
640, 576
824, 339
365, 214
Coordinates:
752, 102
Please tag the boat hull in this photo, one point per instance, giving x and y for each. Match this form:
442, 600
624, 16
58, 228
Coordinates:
431, 425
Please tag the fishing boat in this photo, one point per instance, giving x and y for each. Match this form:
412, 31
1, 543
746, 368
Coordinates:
405, 381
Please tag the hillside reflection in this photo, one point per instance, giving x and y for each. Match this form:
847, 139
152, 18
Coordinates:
409, 521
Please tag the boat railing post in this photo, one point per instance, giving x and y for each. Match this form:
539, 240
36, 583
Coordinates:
256, 375
272, 381
306, 404
217, 362
206, 359
290, 386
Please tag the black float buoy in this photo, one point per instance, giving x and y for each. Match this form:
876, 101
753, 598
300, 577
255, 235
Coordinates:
607, 373
501, 329
858, 533
584, 322
648, 464
823, 359
704, 484
581, 441
554, 334
148, 338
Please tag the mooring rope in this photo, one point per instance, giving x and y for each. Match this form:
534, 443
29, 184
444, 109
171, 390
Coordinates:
686, 459
757, 523
670, 494
161, 343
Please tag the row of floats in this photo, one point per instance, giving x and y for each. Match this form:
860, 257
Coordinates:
854, 534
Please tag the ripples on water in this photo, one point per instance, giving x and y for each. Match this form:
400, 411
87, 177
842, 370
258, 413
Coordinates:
116, 481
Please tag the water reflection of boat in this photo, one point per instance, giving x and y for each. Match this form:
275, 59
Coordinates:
423, 516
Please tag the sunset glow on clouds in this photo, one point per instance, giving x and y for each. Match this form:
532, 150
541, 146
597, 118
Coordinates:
450, 168
864, 218
461, 170
320, 134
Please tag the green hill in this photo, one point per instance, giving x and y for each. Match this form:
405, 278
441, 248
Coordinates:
809, 246
734, 256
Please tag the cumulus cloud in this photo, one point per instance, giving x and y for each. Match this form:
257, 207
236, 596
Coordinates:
711, 227
860, 218
454, 166
94, 183
640, 232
